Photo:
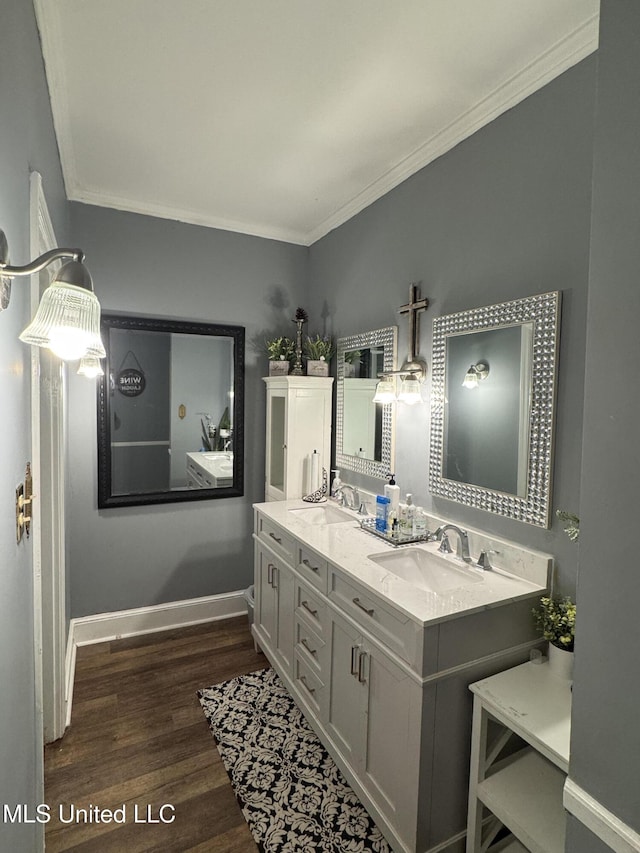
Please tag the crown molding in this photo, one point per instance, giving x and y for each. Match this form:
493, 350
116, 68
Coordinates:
284, 235
563, 55
560, 57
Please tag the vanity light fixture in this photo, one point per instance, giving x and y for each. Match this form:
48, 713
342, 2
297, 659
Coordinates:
68, 318
475, 374
90, 367
385, 390
414, 369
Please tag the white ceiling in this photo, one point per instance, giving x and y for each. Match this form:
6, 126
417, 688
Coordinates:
284, 118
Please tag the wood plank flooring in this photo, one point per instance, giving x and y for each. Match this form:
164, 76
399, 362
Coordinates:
139, 740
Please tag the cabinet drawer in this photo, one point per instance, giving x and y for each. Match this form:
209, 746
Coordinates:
310, 647
390, 626
313, 568
310, 608
277, 539
308, 683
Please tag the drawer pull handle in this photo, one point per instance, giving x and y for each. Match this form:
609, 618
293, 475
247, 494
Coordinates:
367, 610
309, 566
308, 608
277, 538
303, 681
354, 659
361, 673
305, 643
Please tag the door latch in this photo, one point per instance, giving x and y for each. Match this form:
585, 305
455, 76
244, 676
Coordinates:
24, 501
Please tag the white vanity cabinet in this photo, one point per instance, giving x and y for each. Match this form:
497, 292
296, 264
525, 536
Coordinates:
386, 692
274, 587
374, 721
298, 421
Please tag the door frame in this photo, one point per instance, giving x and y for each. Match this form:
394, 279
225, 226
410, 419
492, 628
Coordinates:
48, 448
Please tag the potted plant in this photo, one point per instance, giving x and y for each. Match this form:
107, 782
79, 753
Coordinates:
556, 618
318, 352
280, 351
352, 359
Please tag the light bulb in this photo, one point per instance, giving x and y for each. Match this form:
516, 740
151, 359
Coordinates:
90, 367
385, 391
409, 391
68, 344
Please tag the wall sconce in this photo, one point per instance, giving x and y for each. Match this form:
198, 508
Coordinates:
90, 367
68, 318
414, 369
475, 374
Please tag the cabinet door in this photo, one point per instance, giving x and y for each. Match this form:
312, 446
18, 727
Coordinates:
276, 449
266, 603
346, 713
391, 756
283, 580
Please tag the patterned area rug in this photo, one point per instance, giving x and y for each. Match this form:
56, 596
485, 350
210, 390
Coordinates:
291, 793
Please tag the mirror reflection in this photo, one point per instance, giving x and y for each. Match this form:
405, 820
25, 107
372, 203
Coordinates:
494, 373
169, 411
488, 384
364, 433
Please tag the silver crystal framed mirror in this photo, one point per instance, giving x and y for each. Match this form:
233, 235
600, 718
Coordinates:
494, 377
170, 411
365, 431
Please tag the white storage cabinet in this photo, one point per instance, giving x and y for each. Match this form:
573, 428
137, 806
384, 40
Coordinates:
298, 421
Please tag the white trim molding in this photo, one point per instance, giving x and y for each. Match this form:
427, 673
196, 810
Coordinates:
102, 627
599, 820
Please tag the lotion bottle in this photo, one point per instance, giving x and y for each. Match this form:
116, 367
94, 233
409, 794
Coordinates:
407, 515
392, 491
420, 522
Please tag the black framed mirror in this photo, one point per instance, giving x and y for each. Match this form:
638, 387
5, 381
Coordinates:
170, 411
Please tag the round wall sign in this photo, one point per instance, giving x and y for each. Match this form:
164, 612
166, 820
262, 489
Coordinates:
131, 382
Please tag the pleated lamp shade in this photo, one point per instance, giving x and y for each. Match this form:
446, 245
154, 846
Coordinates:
68, 318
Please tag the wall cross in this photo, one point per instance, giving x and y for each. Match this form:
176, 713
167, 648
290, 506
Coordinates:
413, 306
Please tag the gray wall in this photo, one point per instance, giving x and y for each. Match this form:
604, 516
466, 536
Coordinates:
139, 556
503, 215
27, 143
605, 746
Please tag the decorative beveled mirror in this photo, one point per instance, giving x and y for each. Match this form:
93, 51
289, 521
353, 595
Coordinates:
170, 411
364, 429
494, 373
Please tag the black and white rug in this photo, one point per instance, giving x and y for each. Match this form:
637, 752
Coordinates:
292, 795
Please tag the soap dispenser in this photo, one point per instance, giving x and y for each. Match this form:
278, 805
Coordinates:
392, 491
336, 483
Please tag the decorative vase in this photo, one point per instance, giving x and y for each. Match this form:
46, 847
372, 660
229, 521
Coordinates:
560, 662
279, 368
317, 368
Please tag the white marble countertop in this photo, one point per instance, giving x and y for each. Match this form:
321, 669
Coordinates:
348, 547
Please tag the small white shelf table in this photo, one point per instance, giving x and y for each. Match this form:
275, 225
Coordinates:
523, 791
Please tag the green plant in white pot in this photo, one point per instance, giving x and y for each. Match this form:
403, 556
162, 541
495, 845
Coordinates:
556, 618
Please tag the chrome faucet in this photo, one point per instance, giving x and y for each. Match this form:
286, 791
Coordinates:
462, 549
343, 499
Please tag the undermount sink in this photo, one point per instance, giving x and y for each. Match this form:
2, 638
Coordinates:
321, 514
426, 570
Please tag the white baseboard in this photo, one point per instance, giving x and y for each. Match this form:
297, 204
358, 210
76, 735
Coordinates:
599, 820
102, 627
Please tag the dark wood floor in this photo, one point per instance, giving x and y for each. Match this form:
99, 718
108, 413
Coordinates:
138, 737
